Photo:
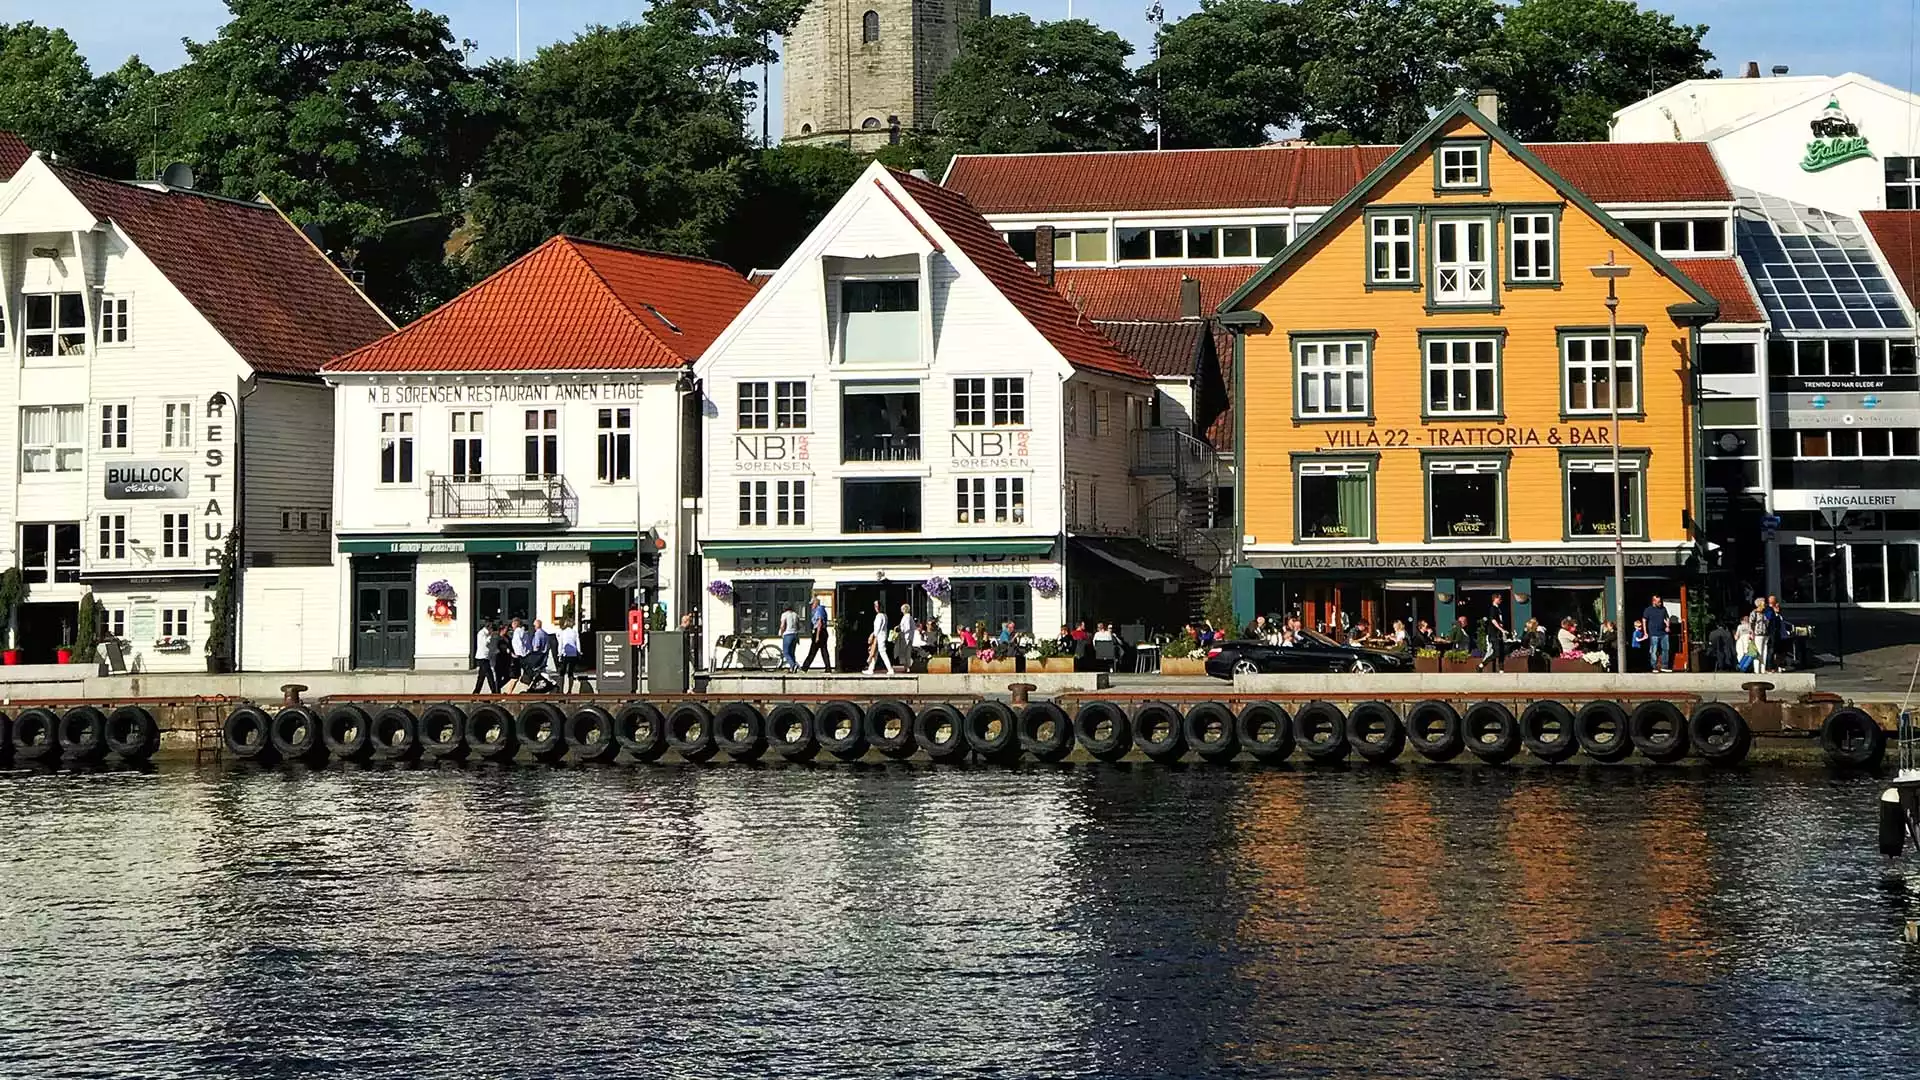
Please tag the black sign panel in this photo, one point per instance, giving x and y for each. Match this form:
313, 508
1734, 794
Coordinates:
615, 675
1844, 384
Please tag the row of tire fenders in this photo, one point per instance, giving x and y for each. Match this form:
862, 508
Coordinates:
1265, 731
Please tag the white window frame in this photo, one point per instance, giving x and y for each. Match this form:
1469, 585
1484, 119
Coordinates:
398, 432
1538, 236
175, 622
1462, 270
791, 404
1102, 411
61, 455
114, 622
116, 427
754, 500
1316, 372
1632, 503
970, 500
789, 503
1386, 235
112, 536
467, 438
1468, 466
1008, 400
1337, 468
1009, 500
176, 535
116, 320
970, 403
1461, 361
1463, 166
753, 405
613, 444
60, 337
541, 435
1588, 366
176, 427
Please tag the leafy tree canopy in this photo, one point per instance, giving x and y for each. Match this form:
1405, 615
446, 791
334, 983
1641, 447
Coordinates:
1568, 65
1229, 74
1379, 67
1021, 87
48, 96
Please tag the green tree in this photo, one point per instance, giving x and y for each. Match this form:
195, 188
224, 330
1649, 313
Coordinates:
1021, 87
1379, 67
48, 96
1565, 66
786, 192
1229, 74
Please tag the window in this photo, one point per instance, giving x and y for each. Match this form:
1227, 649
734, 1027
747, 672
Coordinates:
1728, 358
970, 499
753, 502
469, 446
50, 551
786, 499
56, 324
113, 537
969, 402
1025, 243
1236, 242
1335, 500
116, 327
1269, 240
396, 448
115, 624
879, 506
1531, 239
1332, 378
1009, 499
177, 430
1080, 245
880, 321
52, 439
174, 536
1813, 358
880, 421
1903, 183
173, 622
1169, 243
1463, 166
1589, 497
1858, 443
542, 443
1465, 499
1133, 244
754, 411
870, 28
113, 427
615, 445
790, 405
1593, 382
992, 601
1009, 401
757, 605
1462, 261
1102, 412
1390, 259
1682, 236
1070, 410
1463, 376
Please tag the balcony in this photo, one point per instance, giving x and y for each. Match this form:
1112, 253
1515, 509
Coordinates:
502, 498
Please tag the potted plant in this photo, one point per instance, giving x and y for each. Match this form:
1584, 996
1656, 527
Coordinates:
86, 636
225, 607
13, 590
989, 661
1051, 658
1183, 656
1427, 660
1459, 660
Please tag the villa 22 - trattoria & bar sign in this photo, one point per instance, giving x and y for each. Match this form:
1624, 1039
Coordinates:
1454, 436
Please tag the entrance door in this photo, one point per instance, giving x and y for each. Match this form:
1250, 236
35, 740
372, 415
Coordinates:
45, 628
855, 603
383, 616
503, 590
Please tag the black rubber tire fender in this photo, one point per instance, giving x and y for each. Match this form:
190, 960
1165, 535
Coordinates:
83, 734
1851, 739
1045, 732
690, 732
541, 730
6, 739
132, 733
1160, 732
1320, 730
36, 736
1491, 732
442, 728
590, 735
1103, 730
640, 729
396, 735
296, 735
1546, 730
1265, 730
790, 732
1658, 730
490, 733
992, 731
1718, 733
942, 732
740, 731
1602, 731
1209, 729
247, 735
1433, 730
1377, 732
347, 731
889, 728
840, 726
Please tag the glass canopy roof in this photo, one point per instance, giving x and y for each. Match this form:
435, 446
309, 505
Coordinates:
1815, 271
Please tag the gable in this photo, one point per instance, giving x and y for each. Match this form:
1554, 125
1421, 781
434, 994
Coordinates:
35, 201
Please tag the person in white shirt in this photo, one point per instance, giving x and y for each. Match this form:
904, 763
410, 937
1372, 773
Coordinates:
569, 636
789, 639
486, 642
877, 645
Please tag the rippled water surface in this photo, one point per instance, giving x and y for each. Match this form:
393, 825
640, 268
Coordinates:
1091, 921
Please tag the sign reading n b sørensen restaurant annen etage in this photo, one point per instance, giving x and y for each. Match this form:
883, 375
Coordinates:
147, 480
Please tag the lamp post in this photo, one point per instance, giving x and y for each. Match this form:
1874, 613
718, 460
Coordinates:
1613, 272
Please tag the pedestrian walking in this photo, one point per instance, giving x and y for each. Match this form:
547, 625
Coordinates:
486, 644
539, 649
505, 668
569, 654
877, 641
789, 639
1495, 625
1655, 618
817, 619
903, 634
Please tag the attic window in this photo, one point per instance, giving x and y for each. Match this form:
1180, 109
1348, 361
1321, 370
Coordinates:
56, 324
655, 312
1463, 166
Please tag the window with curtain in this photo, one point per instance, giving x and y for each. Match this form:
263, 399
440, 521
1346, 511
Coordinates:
51, 438
1335, 500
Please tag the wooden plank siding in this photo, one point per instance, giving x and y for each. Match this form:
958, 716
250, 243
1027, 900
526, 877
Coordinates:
1324, 289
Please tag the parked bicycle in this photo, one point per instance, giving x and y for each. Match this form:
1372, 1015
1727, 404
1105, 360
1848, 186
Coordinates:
747, 653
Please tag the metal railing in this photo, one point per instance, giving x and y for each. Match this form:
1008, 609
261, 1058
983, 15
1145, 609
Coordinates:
502, 497
1171, 452
880, 447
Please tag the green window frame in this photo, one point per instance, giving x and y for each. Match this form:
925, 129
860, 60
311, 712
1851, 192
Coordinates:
1528, 248
1352, 498
1323, 361
1460, 270
1450, 159
1455, 364
1383, 233
1587, 463
1468, 468
1576, 345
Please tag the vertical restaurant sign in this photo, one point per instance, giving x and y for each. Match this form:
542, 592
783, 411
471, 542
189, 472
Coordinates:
1835, 139
218, 460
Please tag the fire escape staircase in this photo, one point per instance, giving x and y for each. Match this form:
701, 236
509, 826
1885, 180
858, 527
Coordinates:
1177, 514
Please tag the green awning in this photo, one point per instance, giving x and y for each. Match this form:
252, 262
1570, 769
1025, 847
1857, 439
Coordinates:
871, 549
483, 545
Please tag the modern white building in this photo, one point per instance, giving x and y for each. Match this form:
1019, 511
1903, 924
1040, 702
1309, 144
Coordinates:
163, 348
906, 400
1826, 173
510, 453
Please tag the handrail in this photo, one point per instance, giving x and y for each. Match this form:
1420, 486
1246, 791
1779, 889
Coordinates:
501, 496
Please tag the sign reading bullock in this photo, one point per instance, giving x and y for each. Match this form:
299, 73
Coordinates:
147, 480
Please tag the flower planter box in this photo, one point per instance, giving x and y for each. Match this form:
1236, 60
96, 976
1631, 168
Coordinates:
1427, 664
992, 667
1055, 665
1571, 666
1460, 667
939, 665
1183, 665
63, 656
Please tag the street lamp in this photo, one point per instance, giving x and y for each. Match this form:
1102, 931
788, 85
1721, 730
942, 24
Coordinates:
1613, 272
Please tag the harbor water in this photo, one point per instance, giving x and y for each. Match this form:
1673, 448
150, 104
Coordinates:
914, 922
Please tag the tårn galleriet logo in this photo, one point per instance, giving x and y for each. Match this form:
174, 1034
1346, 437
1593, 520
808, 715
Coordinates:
1835, 139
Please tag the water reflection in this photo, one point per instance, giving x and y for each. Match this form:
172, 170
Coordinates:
901, 920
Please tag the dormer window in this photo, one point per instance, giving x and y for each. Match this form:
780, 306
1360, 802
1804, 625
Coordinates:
880, 319
55, 325
1461, 166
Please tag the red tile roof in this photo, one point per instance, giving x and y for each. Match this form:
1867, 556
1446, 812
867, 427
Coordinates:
1288, 176
570, 305
14, 153
1724, 279
1168, 349
1897, 233
1220, 432
262, 285
1065, 328
1146, 292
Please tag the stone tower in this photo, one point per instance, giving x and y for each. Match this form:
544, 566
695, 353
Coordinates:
853, 69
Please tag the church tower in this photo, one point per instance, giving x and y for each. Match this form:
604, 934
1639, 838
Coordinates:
855, 70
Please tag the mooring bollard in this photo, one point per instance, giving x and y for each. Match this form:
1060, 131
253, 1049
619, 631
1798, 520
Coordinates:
290, 694
1020, 690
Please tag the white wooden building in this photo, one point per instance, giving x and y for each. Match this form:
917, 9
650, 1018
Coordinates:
907, 400
163, 348
509, 453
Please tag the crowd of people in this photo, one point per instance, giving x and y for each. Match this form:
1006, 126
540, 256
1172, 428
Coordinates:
520, 658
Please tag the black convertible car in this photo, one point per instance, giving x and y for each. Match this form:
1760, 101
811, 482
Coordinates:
1314, 654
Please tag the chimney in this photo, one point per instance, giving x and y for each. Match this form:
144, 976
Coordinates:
1779, 70
1189, 298
1488, 102
1043, 251
1753, 70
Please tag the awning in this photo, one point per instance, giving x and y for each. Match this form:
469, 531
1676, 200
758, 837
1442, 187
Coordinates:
1138, 559
482, 545
870, 549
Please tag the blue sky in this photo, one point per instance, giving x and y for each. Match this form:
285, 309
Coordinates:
1809, 36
